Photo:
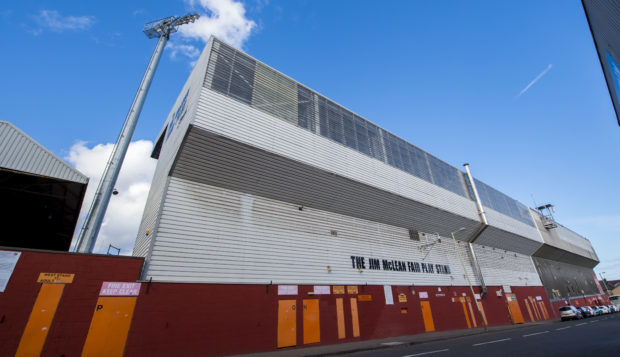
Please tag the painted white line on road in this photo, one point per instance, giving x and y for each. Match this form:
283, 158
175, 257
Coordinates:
486, 343
583, 323
426, 353
562, 328
537, 333
395, 343
593, 321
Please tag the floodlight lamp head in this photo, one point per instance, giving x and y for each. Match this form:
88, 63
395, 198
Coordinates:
167, 25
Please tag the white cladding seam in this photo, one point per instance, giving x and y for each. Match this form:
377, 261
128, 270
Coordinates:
210, 234
172, 138
19, 152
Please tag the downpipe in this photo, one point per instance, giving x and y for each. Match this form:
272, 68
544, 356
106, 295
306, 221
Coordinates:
483, 227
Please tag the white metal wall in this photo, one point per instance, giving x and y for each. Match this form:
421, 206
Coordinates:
20, 152
504, 267
168, 152
565, 239
210, 234
240, 122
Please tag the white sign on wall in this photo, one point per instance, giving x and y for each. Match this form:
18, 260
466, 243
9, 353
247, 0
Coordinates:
8, 260
423, 295
287, 289
389, 299
114, 288
321, 290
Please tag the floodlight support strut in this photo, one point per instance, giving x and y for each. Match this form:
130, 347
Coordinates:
92, 224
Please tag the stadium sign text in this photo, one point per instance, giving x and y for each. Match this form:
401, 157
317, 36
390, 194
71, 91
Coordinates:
358, 262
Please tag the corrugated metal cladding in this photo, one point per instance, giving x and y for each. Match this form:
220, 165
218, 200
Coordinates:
20, 152
437, 209
171, 136
266, 180
251, 82
562, 280
211, 234
564, 245
604, 20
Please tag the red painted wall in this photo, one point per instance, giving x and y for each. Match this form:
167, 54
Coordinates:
72, 320
581, 301
214, 319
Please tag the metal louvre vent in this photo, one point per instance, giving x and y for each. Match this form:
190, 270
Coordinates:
414, 235
238, 76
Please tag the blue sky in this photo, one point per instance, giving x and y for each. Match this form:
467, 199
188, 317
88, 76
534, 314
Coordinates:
515, 89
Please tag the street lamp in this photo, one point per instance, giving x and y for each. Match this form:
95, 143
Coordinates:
458, 252
162, 30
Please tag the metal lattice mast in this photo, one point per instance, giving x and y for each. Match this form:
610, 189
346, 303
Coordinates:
88, 234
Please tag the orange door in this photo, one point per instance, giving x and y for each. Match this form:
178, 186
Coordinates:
355, 318
312, 326
513, 309
287, 323
471, 312
109, 327
484, 315
465, 312
427, 316
38, 325
529, 310
543, 309
340, 318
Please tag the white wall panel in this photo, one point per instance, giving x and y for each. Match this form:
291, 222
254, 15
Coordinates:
210, 234
168, 153
240, 122
502, 267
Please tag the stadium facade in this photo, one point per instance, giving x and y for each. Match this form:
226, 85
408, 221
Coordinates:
265, 186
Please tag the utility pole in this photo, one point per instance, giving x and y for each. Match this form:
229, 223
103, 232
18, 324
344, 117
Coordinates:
162, 30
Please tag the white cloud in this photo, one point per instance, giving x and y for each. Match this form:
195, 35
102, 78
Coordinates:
122, 219
224, 19
539, 76
54, 21
186, 50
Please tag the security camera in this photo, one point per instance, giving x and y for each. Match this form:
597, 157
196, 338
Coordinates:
115, 192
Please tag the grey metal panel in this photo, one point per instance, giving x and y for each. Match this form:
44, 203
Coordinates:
219, 161
566, 279
247, 80
564, 245
604, 20
20, 152
212, 234
230, 118
498, 238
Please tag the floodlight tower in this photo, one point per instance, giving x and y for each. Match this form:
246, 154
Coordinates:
162, 30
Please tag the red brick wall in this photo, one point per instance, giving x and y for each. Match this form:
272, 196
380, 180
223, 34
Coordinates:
75, 309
